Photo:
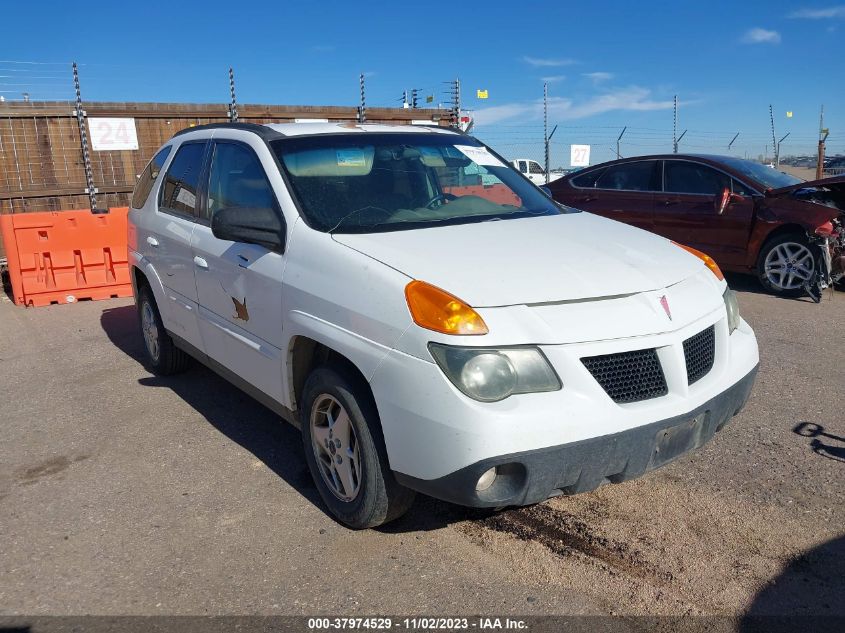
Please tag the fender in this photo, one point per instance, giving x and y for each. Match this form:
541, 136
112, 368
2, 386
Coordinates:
136, 260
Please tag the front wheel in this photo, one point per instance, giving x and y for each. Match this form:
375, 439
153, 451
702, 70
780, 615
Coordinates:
163, 357
786, 264
345, 452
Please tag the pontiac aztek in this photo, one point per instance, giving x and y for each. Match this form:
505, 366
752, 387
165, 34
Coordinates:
427, 317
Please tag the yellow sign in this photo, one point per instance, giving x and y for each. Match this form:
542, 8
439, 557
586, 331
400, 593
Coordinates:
481, 94
429, 99
789, 114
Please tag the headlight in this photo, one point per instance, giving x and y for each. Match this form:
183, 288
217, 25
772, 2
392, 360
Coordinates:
490, 375
732, 306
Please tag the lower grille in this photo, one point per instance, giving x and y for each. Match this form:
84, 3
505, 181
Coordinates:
628, 376
699, 354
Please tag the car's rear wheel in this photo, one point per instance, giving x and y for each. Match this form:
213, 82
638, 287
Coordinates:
786, 263
163, 357
345, 451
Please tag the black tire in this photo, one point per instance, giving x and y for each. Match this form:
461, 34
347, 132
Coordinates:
379, 498
796, 239
166, 359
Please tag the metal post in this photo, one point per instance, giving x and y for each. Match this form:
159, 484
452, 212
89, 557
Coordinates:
679, 140
777, 154
233, 108
822, 138
732, 141
83, 139
621, 134
774, 142
675, 126
362, 109
414, 98
456, 104
546, 126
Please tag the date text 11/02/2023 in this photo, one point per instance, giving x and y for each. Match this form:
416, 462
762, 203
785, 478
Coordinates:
416, 624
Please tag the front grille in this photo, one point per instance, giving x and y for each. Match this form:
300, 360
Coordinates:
699, 353
628, 376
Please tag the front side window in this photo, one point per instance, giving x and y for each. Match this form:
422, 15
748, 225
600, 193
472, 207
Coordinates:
688, 177
148, 177
179, 192
636, 176
362, 183
237, 179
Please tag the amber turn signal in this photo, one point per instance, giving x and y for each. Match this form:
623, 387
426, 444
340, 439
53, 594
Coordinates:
708, 261
435, 309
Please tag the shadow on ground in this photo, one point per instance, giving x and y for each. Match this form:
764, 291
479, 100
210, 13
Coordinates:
254, 427
834, 451
806, 596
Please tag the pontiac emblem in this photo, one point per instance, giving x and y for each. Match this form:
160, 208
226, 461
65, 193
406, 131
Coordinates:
665, 303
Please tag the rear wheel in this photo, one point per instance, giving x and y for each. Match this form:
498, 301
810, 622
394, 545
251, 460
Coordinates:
786, 263
163, 357
345, 451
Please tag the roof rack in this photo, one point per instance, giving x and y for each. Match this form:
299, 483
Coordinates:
261, 130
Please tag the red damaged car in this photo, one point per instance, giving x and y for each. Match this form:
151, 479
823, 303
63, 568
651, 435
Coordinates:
747, 216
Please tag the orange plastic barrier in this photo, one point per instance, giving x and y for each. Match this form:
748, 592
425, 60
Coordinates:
65, 256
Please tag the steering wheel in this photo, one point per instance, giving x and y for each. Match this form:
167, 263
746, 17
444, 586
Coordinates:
442, 198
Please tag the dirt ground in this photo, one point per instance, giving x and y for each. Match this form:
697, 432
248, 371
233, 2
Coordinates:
123, 493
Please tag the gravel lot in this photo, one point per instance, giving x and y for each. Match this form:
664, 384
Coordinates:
123, 493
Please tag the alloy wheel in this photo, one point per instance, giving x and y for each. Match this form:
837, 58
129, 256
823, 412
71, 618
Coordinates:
150, 331
335, 447
789, 266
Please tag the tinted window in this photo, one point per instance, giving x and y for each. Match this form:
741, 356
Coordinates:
535, 168
179, 192
687, 177
628, 176
740, 189
148, 178
588, 179
237, 179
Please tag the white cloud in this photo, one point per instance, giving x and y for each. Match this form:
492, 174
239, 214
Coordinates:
598, 77
761, 36
560, 108
819, 14
546, 62
553, 78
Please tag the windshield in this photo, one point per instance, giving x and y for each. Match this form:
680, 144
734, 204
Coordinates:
369, 182
770, 178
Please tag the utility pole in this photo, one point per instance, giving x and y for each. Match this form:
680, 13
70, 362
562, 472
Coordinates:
777, 154
675, 126
732, 141
414, 98
233, 107
362, 109
774, 142
404, 99
823, 132
619, 138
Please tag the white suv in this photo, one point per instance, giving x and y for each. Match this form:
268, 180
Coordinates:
427, 317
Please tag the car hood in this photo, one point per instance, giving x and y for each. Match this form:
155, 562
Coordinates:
566, 257
834, 183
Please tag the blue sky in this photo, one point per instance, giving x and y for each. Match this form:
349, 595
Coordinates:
607, 64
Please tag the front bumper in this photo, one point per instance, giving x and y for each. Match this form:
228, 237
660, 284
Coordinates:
531, 476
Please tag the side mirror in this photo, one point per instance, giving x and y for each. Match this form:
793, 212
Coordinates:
546, 190
723, 200
251, 225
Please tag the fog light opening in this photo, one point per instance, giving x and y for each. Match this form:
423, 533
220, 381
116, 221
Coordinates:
486, 480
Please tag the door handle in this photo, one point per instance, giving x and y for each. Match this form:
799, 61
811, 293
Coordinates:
200, 262
152, 241
587, 199
669, 203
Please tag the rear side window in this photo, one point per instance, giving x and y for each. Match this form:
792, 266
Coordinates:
687, 177
535, 168
628, 176
179, 192
237, 179
587, 180
148, 177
